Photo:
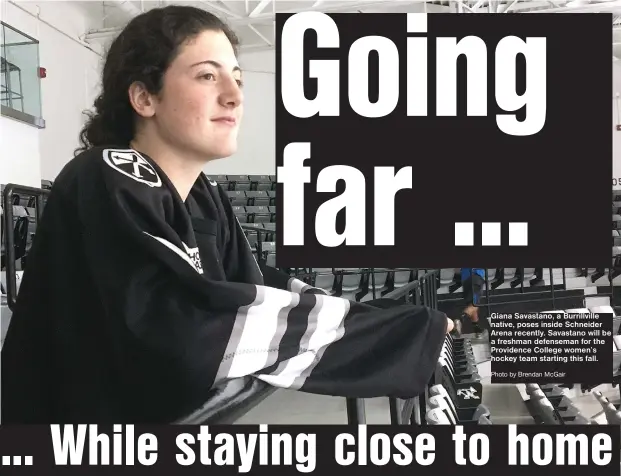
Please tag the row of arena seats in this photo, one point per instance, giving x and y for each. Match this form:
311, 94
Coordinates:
355, 284
257, 233
362, 284
616, 237
615, 270
455, 396
358, 284
551, 404
528, 277
499, 276
263, 198
228, 182
246, 182
616, 347
616, 350
255, 214
613, 415
253, 198
352, 283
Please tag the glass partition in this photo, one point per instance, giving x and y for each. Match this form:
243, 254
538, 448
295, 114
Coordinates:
20, 90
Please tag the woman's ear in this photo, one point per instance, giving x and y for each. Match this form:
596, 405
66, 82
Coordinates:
141, 100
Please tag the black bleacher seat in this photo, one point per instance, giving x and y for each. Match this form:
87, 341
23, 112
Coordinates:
269, 252
258, 198
270, 227
272, 195
237, 198
240, 213
252, 236
259, 214
269, 247
239, 182
222, 180
261, 182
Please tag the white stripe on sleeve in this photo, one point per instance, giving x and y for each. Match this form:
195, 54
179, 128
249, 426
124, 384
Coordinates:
329, 329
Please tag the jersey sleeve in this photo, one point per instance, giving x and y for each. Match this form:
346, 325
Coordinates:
193, 332
278, 279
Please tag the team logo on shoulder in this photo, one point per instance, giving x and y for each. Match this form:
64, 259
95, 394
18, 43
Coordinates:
133, 165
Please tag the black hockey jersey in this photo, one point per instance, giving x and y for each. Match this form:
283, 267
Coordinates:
135, 303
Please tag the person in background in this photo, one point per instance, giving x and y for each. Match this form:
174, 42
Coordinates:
472, 280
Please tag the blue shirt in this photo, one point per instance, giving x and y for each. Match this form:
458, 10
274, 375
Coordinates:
467, 272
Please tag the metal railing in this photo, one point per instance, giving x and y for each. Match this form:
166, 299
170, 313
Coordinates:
496, 297
9, 239
610, 273
488, 296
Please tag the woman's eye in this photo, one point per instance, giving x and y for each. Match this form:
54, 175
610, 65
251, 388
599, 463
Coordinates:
240, 83
208, 76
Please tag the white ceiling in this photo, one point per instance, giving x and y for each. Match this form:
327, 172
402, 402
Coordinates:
253, 20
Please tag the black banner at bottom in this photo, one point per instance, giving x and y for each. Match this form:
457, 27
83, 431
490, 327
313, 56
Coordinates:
136, 450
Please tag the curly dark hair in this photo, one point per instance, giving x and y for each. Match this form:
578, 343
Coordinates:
142, 52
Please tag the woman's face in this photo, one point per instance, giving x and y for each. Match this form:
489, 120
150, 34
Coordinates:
201, 102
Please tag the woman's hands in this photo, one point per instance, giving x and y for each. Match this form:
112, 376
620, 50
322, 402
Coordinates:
449, 325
